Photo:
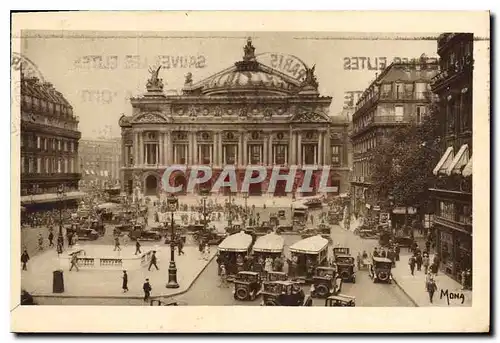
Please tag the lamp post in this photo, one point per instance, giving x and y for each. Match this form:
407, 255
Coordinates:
204, 213
245, 196
173, 203
60, 195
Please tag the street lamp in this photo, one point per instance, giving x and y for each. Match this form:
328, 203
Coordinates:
204, 213
245, 196
173, 203
60, 195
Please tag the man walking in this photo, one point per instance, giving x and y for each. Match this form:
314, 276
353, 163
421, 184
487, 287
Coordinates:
419, 261
411, 263
137, 248
153, 262
180, 245
431, 287
40, 242
51, 238
125, 281
146, 287
24, 259
117, 244
74, 262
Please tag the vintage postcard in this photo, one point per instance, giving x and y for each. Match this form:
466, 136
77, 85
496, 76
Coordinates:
313, 160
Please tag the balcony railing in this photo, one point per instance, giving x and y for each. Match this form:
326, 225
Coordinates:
391, 119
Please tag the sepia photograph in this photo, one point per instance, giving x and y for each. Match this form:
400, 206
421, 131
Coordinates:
241, 170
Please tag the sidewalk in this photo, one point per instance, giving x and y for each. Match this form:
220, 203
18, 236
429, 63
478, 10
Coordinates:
414, 286
108, 283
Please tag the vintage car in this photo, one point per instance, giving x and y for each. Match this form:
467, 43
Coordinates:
367, 233
232, 252
82, 233
276, 276
313, 203
284, 228
283, 293
196, 227
385, 237
340, 300
140, 234
307, 254
97, 226
210, 237
324, 229
247, 285
346, 267
380, 269
270, 245
125, 227
326, 282
404, 241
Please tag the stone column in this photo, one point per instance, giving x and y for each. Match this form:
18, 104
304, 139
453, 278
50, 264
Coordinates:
292, 148
320, 148
220, 161
161, 160
167, 146
299, 148
195, 149
245, 149
270, 157
215, 148
264, 156
328, 154
141, 148
240, 149
136, 148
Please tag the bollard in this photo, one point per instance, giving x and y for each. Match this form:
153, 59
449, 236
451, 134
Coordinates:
58, 282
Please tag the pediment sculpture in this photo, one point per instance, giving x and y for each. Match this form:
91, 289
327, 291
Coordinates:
150, 117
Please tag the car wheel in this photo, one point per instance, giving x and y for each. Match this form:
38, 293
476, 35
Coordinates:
383, 276
241, 294
271, 302
322, 290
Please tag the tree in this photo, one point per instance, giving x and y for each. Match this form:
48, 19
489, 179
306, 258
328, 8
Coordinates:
402, 165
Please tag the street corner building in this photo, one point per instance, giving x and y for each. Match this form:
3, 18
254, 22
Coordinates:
246, 115
49, 146
400, 95
452, 192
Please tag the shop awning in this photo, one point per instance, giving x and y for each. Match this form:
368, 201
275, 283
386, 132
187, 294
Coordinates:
402, 210
444, 162
50, 197
460, 160
468, 168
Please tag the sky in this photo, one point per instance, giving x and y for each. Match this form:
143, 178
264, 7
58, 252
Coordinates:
98, 71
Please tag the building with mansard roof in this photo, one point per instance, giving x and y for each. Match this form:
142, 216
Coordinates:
49, 145
247, 114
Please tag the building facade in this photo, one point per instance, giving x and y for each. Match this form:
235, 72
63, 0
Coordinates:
452, 193
247, 114
100, 160
401, 94
49, 144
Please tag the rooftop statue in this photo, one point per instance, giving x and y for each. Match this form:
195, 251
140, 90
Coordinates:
310, 79
154, 83
249, 51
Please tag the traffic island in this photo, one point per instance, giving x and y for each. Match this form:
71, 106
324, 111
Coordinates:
106, 282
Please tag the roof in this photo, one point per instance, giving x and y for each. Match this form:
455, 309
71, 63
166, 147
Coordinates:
310, 245
237, 242
342, 297
381, 259
269, 243
248, 273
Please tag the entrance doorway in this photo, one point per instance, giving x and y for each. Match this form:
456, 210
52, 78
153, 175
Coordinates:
312, 184
255, 189
180, 180
151, 185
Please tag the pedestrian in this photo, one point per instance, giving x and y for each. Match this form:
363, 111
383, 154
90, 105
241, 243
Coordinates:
125, 281
74, 262
117, 244
51, 238
180, 245
383, 253
412, 263
431, 287
433, 269
146, 287
40, 242
428, 246
223, 276
425, 263
60, 244
419, 261
375, 252
397, 250
137, 248
24, 259
206, 252
152, 262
